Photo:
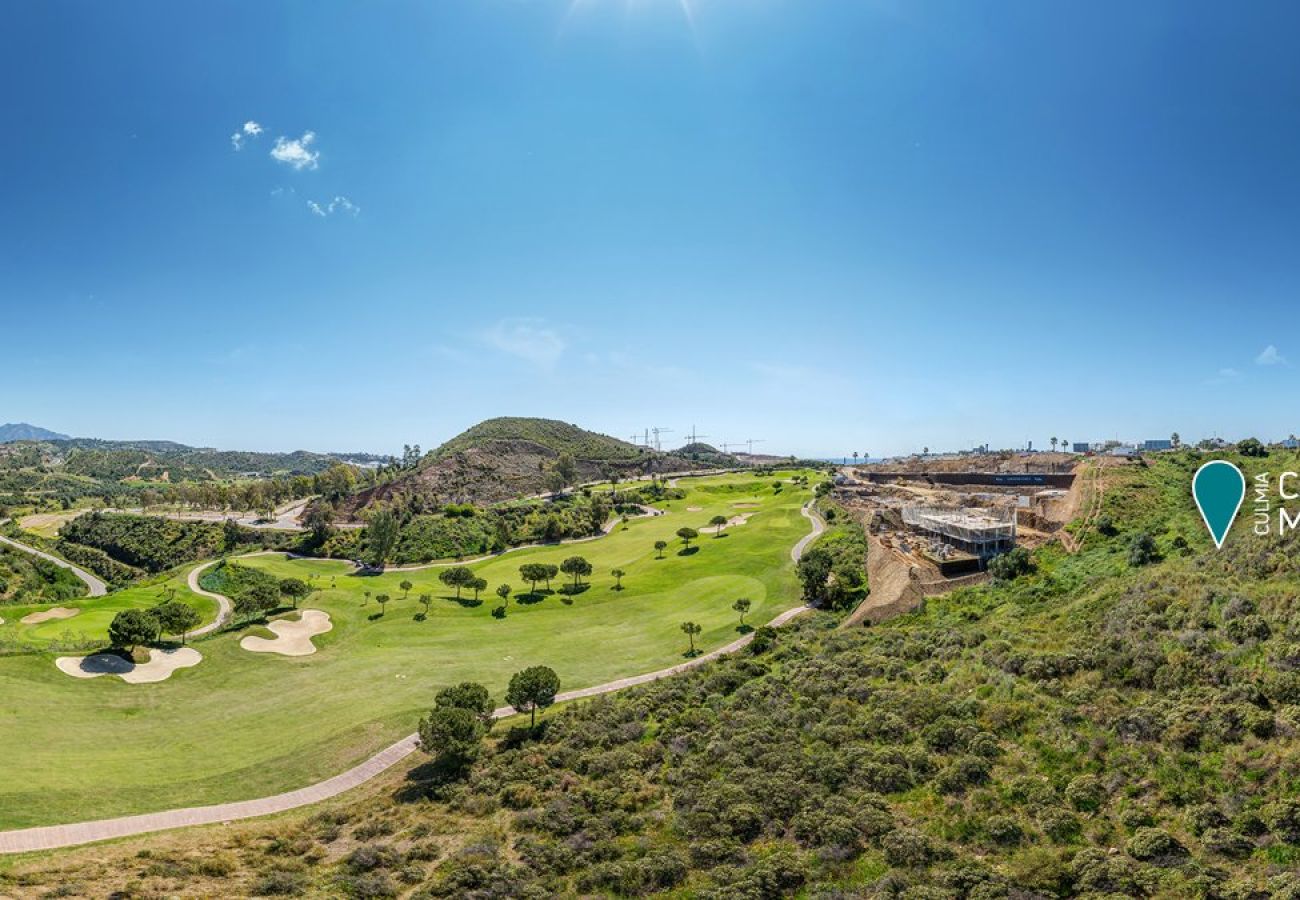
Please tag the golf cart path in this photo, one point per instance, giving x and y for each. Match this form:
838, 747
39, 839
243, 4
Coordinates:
50, 837
97, 588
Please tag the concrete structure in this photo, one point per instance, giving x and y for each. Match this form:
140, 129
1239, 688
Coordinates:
1152, 445
1082, 447
981, 532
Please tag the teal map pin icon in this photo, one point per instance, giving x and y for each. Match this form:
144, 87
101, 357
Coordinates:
1219, 489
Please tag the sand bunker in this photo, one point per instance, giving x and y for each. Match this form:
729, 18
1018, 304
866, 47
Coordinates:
732, 522
292, 636
59, 612
161, 665
746, 505
694, 508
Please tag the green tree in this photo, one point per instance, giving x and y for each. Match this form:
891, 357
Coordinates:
132, 627
718, 523
406, 588
576, 566
176, 618
1251, 447
426, 600
468, 695
566, 470
691, 629
381, 536
382, 600
532, 573
295, 589
814, 570
551, 570
687, 535
660, 547
457, 577
742, 606
533, 689
477, 585
618, 578
503, 591
452, 736
258, 600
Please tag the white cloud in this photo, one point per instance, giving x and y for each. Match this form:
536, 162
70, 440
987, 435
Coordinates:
1225, 376
249, 129
1270, 356
338, 204
296, 153
531, 340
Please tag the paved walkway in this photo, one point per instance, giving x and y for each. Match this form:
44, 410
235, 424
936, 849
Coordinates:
96, 587
51, 837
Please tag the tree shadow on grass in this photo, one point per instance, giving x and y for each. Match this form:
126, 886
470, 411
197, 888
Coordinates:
573, 590
691, 654
744, 629
531, 597
688, 551
466, 602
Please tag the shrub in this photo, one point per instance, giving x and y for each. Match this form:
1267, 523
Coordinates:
1085, 793
1152, 843
1011, 565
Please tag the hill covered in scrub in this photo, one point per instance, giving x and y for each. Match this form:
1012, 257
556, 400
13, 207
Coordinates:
505, 458
1120, 722
21, 431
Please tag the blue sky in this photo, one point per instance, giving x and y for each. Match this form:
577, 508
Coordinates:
831, 225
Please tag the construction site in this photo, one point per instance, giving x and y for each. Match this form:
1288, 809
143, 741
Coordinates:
934, 523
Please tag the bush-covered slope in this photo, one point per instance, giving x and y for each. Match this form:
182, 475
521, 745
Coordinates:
507, 458
1112, 724
552, 434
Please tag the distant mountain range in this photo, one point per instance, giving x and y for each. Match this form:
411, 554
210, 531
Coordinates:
21, 431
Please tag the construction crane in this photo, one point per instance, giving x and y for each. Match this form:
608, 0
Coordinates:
657, 433
694, 437
724, 446
751, 442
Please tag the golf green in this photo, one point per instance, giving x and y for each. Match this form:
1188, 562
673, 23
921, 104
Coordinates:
243, 725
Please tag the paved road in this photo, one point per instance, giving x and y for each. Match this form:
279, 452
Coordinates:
97, 587
50, 837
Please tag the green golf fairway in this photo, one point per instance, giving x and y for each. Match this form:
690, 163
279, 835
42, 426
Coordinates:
242, 725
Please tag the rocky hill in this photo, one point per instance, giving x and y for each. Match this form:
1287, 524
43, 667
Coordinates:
504, 458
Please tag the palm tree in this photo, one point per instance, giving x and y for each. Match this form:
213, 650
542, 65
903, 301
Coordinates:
1053, 442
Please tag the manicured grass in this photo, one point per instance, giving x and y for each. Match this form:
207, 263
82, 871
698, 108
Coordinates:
91, 625
242, 725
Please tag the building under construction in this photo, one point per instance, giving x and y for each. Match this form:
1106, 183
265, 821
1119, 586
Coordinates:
981, 532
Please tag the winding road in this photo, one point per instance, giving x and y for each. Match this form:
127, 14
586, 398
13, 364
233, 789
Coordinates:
50, 837
96, 587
